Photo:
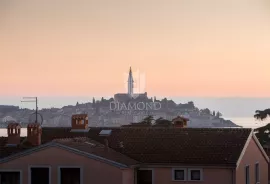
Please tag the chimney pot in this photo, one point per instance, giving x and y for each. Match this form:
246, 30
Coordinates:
14, 133
34, 132
79, 121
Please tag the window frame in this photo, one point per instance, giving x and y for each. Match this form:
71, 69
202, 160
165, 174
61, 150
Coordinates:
13, 170
257, 172
195, 169
247, 174
69, 167
173, 174
39, 166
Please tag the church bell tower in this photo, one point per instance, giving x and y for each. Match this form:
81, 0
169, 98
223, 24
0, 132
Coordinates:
130, 82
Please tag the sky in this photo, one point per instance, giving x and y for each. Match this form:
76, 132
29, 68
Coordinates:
209, 48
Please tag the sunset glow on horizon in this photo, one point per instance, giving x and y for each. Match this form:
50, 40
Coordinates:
211, 48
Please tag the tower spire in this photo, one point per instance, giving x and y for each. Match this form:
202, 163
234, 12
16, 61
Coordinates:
130, 82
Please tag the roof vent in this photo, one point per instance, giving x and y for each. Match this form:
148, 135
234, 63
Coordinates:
105, 132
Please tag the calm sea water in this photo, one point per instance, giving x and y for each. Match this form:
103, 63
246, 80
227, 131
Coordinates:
244, 121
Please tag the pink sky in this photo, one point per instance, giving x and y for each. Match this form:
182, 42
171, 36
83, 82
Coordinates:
185, 48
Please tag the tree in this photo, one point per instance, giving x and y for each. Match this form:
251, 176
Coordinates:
147, 120
162, 122
262, 134
214, 113
262, 115
94, 100
206, 111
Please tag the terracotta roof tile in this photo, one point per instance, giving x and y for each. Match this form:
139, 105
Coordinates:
157, 145
89, 146
9, 150
171, 145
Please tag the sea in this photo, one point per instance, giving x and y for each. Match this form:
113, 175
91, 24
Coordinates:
245, 122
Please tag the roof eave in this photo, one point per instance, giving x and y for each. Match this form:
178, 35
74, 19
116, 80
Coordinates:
54, 144
170, 165
244, 149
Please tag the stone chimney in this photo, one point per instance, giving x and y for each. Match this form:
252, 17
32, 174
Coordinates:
79, 121
14, 133
34, 132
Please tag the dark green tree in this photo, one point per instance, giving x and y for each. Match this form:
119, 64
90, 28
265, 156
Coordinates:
262, 114
162, 122
147, 120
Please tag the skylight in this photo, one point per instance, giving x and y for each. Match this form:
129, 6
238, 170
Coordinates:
105, 132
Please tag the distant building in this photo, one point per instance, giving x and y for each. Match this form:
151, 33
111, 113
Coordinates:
125, 97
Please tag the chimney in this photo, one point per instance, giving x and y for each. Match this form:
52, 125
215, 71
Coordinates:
79, 122
14, 133
34, 132
180, 122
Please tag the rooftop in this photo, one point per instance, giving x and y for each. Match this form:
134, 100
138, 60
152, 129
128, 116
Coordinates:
155, 145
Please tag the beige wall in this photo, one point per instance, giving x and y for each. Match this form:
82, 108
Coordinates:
93, 171
210, 176
251, 156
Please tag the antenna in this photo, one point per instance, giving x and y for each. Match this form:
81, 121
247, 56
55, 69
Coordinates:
33, 99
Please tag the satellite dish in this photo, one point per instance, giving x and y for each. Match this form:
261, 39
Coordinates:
32, 118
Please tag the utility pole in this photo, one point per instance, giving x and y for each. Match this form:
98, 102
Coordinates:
34, 99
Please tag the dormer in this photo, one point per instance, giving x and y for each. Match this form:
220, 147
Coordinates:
180, 122
79, 123
14, 133
34, 132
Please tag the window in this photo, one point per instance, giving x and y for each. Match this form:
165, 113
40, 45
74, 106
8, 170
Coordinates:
179, 174
70, 175
247, 174
257, 172
195, 174
40, 175
145, 176
10, 177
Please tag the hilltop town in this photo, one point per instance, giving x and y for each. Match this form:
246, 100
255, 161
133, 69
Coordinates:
122, 109
100, 113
